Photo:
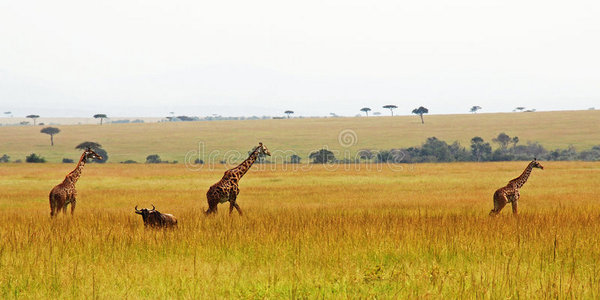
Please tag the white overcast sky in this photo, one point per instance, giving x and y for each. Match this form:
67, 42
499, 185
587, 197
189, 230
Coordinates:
233, 58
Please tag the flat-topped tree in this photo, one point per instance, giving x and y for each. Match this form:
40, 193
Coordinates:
391, 107
33, 117
420, 111
288, 113
101, 117
50, 131
366, 110
97, 148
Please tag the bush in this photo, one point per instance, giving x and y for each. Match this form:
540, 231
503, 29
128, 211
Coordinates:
153, 159
129, 161
199, 161
4, 158
295, 159
392, 156
34, 158
67, 161
322, 156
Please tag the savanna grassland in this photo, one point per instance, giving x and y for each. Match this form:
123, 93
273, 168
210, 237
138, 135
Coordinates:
346, 231
172, 140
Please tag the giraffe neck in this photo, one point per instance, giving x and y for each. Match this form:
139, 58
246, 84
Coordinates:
242, 168
520, 181
76, 173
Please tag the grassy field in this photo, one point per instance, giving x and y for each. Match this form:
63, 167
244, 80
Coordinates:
173, 140
353, 232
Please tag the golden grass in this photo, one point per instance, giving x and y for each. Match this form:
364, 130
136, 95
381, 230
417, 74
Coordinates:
173, 140
422, 231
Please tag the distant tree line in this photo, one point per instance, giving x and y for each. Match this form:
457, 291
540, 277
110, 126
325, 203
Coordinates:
435, 150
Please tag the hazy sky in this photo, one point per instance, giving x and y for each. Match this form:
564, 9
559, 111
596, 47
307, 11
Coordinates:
147, 58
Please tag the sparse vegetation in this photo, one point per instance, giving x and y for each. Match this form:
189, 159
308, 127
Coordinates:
101, 117
366, 110
153, 159
34, 158
67, 161
322, 156
50, 131
33, 117
420, 111
391, 107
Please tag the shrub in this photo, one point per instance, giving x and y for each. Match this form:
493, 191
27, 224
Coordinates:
34, 158
67, 161
129, 161
199, 161
153, 159
295, 159
4, 158
322, 156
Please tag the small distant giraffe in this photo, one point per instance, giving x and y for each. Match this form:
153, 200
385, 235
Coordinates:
65, 193
510, 193
227, 188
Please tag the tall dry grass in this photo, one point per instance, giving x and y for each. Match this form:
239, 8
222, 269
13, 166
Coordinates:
422, 231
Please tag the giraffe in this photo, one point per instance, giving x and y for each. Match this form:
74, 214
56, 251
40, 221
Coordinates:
510, 193
227, 188
65, 193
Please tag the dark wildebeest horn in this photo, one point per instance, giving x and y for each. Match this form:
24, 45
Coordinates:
136, 209
153, 208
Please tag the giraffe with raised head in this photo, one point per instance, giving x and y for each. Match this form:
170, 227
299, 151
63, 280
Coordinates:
227, 188
65, 193
510, 193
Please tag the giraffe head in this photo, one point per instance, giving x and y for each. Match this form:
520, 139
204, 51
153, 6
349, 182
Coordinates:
90, 154
536, 164
262, 149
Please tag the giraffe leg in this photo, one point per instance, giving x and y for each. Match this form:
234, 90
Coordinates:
52, 206
237, 207
499, 203
514, 208
73, 203
232, 203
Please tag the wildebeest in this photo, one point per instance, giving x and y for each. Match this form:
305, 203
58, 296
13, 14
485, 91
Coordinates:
154, 218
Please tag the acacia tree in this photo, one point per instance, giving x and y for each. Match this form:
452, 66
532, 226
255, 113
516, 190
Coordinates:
288, 113
420, 111
33, 117
101, 117
475, 108
391, 107
97, 148
366, 110
50, 131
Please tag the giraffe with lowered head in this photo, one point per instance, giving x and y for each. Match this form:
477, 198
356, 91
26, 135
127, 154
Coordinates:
227, 188
65, 193
510, 193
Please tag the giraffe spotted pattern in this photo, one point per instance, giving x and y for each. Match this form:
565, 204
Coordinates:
227, 188
510, 193
65, 193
